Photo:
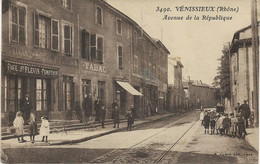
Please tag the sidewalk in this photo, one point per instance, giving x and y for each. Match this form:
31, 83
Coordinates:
76, 136
253, 137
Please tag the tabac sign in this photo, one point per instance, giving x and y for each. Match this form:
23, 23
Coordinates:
94, 67
26, 69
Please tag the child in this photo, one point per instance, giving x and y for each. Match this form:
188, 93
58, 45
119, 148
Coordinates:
45, 128
116, 117
233, 125
212, 122
130, 119
19, 125
241, 126
206, 121
103, 116
219, 124
32, 127
226, 124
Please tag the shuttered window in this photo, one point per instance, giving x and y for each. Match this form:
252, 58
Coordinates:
67, 39
100, 49
55, 35
93, 46
18, 34
120, 56
85, 42
118, 26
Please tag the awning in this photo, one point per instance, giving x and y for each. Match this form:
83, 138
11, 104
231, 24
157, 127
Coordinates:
129, 88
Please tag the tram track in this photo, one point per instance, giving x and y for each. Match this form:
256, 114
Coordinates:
110, 156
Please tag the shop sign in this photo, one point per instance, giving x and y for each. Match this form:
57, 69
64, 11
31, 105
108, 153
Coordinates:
94, 67
21, 68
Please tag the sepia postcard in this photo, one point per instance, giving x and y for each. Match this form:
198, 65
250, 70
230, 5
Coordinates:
130, 81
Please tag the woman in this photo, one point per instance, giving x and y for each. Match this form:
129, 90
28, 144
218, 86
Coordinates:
32, 127
19, 125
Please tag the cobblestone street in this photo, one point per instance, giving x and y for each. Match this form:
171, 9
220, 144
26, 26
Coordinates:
147, 144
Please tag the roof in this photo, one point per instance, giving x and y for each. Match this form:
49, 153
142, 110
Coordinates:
162, 45
133, 22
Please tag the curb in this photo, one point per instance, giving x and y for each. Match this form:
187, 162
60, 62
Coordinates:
106, 133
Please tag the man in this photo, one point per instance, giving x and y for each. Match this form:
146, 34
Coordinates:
114, 104
237, 109
102, 116
97, 106
26, 107
245, 112
87, 105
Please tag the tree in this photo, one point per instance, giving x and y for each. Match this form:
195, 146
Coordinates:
222, 80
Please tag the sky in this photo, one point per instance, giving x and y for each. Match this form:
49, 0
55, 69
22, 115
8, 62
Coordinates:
197, 42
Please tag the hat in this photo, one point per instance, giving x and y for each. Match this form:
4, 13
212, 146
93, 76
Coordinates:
231, 114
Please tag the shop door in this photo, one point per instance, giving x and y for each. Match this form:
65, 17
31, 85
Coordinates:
123, 101
137, 102
101, 91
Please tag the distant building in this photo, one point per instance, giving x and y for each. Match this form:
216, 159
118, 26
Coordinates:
176, 95
241, 77
199, 94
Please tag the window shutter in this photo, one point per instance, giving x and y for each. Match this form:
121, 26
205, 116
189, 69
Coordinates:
100, 49
71, 42
36, 29
93, 46
120, 57
22, 15
55, 35
87, 45
83, 44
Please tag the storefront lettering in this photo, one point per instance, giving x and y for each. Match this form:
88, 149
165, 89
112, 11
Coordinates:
69, 61
94, 67
32, 70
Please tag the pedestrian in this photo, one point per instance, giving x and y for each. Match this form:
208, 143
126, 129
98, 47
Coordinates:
97, 107
87, 106
216, 123
19, 127
226, 124
233, 125
114, 104
132, 109
237, 109
45, 128
103, 116
26, 107
78, 111
130, 119
32, 127
212, 122
115, 116
206, 121
202, 114
245, 112
219, 124
241, 126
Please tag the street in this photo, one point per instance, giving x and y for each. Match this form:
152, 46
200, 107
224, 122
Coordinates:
175, 140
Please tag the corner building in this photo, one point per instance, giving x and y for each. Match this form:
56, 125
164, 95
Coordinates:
58, 51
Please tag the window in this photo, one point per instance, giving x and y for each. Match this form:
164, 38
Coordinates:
18, 33
135, 64
150, 70
120, 56
118, 26
46, 32
41, 95
67, 39
68, 92
96, 47
86, 87
99, 15
66, 4
85, 42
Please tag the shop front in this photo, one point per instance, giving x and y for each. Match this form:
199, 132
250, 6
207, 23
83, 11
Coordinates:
18, 79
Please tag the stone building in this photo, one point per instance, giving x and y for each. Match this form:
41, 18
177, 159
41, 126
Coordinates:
241, 66
176, 95
199, 94
58, 51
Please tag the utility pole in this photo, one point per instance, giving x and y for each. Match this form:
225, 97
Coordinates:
255, 50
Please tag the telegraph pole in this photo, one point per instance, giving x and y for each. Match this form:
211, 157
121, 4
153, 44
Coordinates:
255, 50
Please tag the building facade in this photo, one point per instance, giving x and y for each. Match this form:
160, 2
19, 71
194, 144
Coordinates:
176, 95
241, 68
58, 51
199, 94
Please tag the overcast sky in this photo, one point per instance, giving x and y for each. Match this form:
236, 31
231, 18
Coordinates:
197, 42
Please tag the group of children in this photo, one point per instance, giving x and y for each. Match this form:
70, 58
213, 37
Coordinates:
223, 124
18, 125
